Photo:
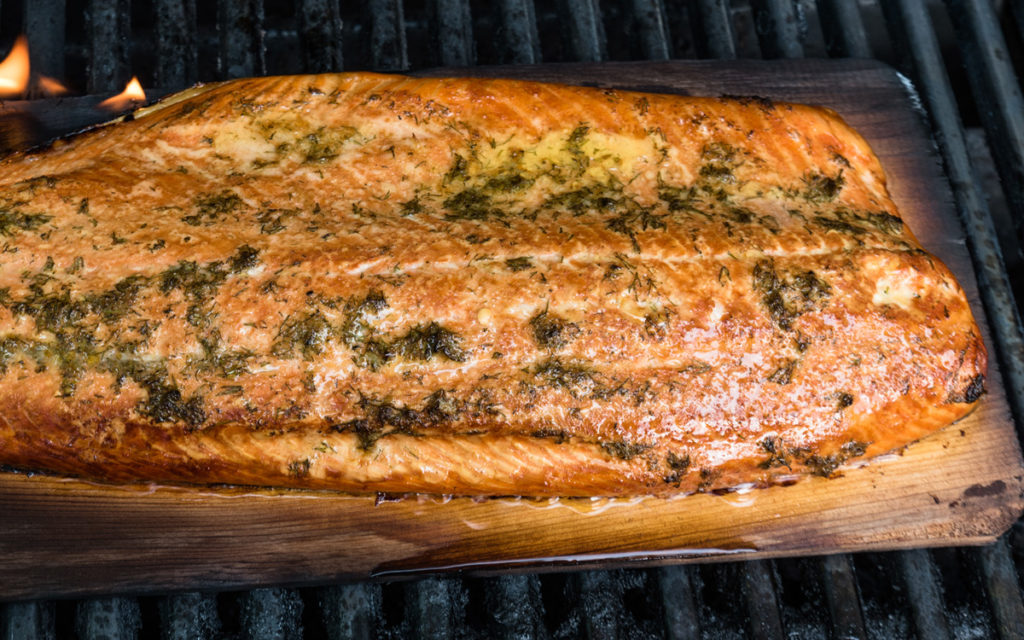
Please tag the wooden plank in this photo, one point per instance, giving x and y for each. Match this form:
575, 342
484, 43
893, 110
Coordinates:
962, 485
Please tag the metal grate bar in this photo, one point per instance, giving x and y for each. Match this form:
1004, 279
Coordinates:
517, 25
320, 35
44, 27
271, 614
515, 605
843, 597
844, 29
27, 621
107, 619
600, 598
681, 621
1017, 9
585, 39
716, 39
177, 55
432, 603
651, 26
388, 48
1000, 580
761, 602
912, 24
997, 93
778, 28
189, 616
109, 26
924, 593
452, 32
240, 23
350, 611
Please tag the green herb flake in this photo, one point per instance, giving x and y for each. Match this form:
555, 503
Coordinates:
784, 373
623, 450
209, 208
552, 332
787, 296
306, 334
519, 264
244, 259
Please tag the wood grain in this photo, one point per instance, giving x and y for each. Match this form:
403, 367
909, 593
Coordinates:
964, 485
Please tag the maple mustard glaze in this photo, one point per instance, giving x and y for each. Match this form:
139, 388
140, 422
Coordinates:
376, 283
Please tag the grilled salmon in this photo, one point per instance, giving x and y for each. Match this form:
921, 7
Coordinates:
373, 283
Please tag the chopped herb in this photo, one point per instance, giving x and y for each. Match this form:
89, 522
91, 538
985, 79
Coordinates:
553, 332
678, 466
657, 323
274, 220
786, 298
12, 221
357, 328
819, 188
624, 450
299, 468
210, 207
784, 373
886, 223
508, 183
324, 145
309, 382
778, 454
244, 259
839, 225
575, 377
411, 207
116, 303
696, 367
519, 264
471, 204
458, 171
423, 342
307, 333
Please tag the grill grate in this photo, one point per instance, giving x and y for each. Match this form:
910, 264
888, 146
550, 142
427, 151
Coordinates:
936, 594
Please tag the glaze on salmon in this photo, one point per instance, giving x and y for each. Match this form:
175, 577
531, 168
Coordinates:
381, 284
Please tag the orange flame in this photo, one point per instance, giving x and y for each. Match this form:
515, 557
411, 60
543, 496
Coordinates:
132, 94
14, 70
51, 87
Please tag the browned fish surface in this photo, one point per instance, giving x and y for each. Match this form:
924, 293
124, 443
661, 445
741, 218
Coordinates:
374, 283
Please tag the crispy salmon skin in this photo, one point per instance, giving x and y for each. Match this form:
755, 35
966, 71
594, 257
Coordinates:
376, 283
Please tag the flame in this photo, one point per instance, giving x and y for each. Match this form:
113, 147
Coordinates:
51, 87
14, 70
132, 94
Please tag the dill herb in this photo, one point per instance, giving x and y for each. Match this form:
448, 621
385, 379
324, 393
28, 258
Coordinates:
819, 188
784, 373
306, 333
624, 450
12, 221
519, 264
553, 332
787, 297
209, 208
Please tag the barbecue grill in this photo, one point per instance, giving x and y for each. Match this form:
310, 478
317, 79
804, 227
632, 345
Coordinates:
964, 58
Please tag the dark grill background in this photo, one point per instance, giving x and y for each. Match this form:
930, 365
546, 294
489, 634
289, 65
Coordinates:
964, 57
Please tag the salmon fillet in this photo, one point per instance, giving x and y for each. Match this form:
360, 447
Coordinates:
374, 283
